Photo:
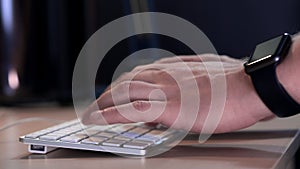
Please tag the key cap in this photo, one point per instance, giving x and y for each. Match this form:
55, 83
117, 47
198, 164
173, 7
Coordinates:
106, 134
155, 135
137, 145
121, 128
73, 138
96, 129
67, 130
49, 130
93, 140
135, 132
74, 128
114, 142
34, 135
122, 138
51, 137
61, 133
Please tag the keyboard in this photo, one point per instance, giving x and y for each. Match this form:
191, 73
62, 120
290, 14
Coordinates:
130, 139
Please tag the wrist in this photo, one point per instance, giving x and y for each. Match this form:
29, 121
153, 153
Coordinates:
260, 111
281, 55
288, 71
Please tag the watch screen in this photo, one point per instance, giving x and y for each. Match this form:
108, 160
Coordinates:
265, 49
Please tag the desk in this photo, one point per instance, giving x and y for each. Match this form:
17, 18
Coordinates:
266, 145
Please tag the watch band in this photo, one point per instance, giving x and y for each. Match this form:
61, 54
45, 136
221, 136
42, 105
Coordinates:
273, 93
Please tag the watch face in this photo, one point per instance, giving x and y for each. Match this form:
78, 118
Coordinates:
266, 49
268, 53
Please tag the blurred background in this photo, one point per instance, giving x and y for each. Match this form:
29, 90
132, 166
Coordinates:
41, 39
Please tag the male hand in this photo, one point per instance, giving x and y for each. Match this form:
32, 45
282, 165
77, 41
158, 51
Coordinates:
151, 94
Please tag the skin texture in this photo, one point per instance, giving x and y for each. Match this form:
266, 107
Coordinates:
149, 93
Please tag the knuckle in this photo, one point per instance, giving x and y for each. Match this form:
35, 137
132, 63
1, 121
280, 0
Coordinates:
161, 74
139, 67
124, 85
141, 105
162, 60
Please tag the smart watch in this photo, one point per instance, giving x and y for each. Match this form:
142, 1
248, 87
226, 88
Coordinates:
261, 67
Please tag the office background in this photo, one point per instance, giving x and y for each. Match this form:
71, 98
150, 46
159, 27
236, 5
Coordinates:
40, 40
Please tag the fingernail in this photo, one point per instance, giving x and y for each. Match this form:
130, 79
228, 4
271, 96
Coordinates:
97, 118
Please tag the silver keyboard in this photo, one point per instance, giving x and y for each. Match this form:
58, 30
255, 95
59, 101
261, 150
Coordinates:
131, 139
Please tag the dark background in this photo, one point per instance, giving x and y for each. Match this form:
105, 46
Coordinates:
48, 35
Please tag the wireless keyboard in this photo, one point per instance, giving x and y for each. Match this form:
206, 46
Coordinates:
132, 139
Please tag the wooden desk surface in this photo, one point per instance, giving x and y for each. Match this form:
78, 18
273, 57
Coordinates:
266, 145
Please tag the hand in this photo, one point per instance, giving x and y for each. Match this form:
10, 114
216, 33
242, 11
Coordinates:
150, 93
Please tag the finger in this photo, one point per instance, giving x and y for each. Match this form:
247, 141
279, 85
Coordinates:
190, 58
198, 58
144, 76
140, 90
87, 112
153, 76
175, 59
147, 73
129, 91
137, 111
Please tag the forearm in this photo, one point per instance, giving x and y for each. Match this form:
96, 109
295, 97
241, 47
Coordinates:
288, 71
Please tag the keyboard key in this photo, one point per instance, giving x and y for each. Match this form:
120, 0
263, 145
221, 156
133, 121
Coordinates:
121, 128
73, 138
155, 135
93, 140
106, 134
34, 135
135, 132
123, 138
114, 142
48, 130
100, 128
95, 130
50, 137
81, 133
137, 145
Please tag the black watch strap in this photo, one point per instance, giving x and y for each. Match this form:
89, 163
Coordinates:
273, 93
